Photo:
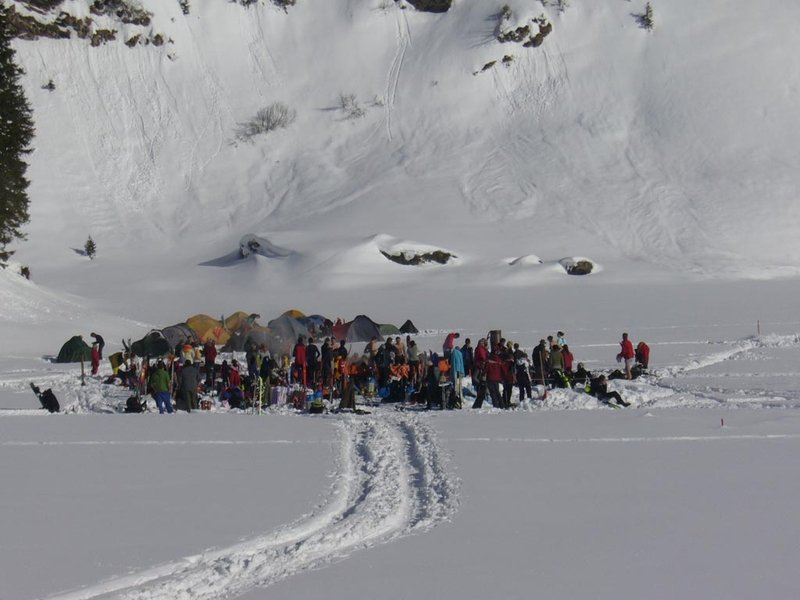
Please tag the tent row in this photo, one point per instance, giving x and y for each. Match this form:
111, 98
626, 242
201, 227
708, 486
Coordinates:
241, 330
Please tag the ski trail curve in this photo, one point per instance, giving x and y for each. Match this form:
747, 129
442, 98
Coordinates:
392, 481
738, 348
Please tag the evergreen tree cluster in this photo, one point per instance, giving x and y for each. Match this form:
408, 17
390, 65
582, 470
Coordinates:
16, 133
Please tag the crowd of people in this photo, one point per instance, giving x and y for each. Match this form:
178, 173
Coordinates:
395, 370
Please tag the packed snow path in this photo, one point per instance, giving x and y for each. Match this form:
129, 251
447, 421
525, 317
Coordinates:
391, 481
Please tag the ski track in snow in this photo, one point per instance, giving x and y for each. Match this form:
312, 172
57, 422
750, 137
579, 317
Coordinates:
734, 398
739, 348
391, 481
393, 79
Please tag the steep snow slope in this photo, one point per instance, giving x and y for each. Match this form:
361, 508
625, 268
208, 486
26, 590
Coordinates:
650, 152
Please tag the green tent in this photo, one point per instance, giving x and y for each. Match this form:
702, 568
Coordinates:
153, 344
74, 350
388, 329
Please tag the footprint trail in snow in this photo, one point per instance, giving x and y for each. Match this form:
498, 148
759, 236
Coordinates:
391, 481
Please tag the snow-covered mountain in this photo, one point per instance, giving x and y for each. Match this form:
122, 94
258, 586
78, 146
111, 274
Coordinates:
659, 155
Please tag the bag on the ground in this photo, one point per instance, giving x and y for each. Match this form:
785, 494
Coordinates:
47, 399
132, 405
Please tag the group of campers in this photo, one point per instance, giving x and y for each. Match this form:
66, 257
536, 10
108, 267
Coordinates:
395, 370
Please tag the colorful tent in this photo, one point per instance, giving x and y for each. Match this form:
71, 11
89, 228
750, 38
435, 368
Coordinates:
294, 314
238, 319
360, 329
208, 328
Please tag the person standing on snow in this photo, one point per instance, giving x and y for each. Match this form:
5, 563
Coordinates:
568, 359
627, 354
541, 360
494, 377
210, 356
414, 363
457, 373
327, 363
189, 379
400, 351
469, 356
312, 362
159, 381
449, 344
100, 343
522, 364
299, 355
95, 358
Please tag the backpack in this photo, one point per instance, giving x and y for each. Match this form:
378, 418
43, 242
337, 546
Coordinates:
49, 401
47, 398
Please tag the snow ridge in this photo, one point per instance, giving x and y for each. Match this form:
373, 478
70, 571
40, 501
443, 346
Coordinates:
391, 481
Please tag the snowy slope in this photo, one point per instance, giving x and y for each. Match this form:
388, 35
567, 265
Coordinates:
652, 153
666, 157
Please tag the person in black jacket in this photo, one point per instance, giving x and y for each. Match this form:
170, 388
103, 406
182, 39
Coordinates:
599, 389
188, 380
581, 376
327, 363
101, 342
468, 353
312, 362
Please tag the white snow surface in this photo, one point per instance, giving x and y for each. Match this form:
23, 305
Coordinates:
667, 158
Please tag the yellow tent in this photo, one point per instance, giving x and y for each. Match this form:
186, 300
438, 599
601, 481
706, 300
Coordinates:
209, 328
236, 320
294, 314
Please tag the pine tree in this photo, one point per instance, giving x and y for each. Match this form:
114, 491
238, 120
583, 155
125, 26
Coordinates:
647, 18
16, 133
89, 248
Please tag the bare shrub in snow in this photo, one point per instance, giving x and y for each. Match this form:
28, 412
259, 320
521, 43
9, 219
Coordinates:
350, 106
275, 116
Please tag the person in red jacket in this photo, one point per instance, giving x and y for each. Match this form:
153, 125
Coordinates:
210, 355
643, 354
449, 343
627, 354
300, 362
234, 377
95, 358
494, 377
568, 359
480, 355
